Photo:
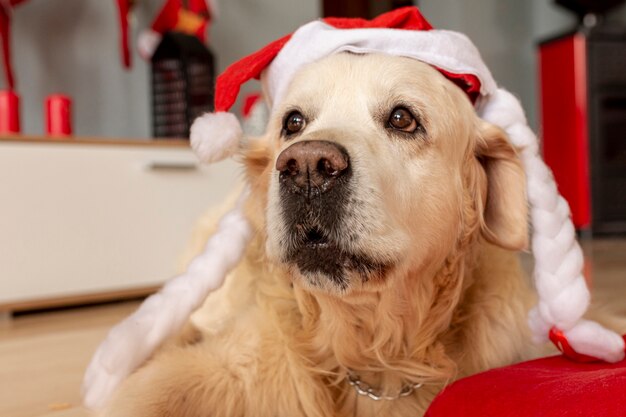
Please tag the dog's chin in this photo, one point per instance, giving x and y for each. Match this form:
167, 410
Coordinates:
330, 268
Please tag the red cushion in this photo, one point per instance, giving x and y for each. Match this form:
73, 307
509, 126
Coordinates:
548, 387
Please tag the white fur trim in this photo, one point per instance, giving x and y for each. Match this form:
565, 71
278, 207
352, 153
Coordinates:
451, 51
215, 136
147, 43
161, 315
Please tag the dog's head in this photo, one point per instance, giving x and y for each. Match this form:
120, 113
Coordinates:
375, 165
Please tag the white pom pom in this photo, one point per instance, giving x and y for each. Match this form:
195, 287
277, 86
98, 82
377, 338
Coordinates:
215, 136
147, 43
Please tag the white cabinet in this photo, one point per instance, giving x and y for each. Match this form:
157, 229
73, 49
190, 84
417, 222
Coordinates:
91, 219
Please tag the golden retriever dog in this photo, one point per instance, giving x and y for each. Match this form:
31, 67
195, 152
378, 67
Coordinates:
388, 216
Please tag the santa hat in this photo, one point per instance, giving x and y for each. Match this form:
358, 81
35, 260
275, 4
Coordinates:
563, 294
281, 59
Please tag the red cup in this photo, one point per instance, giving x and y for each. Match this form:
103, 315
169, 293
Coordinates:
9, 112
58, 115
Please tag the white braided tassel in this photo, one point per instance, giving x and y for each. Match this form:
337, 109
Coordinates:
163, 314
563, 293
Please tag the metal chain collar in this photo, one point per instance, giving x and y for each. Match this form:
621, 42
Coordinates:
364, 389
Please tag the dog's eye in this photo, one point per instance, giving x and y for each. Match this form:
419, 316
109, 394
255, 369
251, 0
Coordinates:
402, 119
294, 123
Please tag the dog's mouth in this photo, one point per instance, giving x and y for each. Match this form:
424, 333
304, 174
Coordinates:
320, 258
315, 239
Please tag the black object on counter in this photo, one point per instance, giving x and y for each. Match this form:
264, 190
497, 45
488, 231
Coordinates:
183, 74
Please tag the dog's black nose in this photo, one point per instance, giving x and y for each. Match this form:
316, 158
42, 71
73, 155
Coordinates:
312, 166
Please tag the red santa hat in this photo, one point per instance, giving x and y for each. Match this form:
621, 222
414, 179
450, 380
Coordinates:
563, 294
278, 62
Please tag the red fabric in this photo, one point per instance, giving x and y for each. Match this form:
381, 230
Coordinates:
123, 9
168, 17
6, 49
548, 387
407, 18
249, 103
230, 81
200, 8
5, 26
467, 82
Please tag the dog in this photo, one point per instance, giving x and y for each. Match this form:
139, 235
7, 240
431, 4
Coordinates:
388, 219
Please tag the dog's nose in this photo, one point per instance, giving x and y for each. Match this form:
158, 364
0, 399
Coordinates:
312, 166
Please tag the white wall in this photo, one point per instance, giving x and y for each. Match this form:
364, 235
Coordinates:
71, 46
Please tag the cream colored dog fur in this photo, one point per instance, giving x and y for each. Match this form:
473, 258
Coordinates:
438, 214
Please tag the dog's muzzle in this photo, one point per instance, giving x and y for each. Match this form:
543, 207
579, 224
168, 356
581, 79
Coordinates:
315, 188
314, 178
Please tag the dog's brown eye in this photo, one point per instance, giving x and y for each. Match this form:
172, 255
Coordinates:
294, 123
402, 119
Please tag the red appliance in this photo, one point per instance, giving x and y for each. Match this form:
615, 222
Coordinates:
583, 124
563, 72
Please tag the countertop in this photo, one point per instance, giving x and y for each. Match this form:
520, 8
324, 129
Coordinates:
82, 140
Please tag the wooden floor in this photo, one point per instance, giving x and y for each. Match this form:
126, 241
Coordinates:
43, 356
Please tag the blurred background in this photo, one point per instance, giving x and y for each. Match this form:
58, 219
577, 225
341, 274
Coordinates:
72, 46
100, 192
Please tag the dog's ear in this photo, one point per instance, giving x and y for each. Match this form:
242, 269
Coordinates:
505, 212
